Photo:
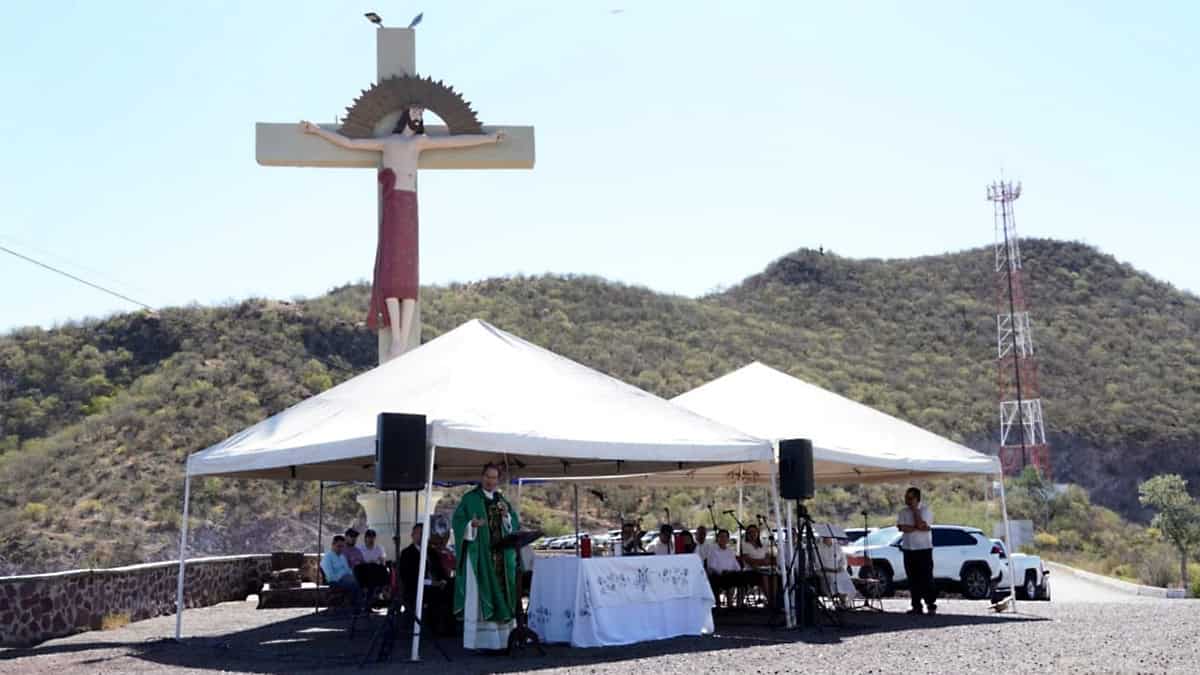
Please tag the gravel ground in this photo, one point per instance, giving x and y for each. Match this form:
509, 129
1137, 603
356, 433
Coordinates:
965, 637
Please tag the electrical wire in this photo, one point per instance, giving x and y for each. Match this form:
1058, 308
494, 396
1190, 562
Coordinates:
98, 287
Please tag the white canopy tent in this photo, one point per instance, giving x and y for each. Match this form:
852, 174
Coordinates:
488, 396
852, 442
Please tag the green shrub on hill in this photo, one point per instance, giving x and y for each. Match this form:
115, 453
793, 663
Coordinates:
105, 411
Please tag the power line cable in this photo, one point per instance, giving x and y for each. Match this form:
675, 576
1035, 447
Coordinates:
332, 365
52, 257
98, 287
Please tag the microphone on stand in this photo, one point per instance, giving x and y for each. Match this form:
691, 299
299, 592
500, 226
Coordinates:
730, 512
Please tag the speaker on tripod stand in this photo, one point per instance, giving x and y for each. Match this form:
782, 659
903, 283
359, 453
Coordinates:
797, 482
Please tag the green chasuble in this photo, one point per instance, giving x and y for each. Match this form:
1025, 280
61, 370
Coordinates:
495, 570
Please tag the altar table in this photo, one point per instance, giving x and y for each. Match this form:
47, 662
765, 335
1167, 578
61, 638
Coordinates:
596, 602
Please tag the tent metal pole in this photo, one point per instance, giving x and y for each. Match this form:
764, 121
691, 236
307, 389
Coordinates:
416, 641
183, 533
1012, 567
781, 551
320, 526
740, 495
577, 552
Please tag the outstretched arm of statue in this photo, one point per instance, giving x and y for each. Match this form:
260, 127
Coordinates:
463, 140
340, 140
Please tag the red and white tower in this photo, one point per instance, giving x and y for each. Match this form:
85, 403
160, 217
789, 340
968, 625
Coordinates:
1022, 433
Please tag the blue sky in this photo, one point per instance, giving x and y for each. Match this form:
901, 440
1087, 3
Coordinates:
681, 145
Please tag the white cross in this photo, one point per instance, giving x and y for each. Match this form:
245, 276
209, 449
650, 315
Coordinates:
284, 144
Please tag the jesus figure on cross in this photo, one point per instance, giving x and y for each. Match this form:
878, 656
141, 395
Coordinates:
396, 283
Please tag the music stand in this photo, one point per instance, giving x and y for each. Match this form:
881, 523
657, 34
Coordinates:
522, 636
872, 585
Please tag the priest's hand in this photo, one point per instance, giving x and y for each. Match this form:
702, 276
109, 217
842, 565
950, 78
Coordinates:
477, 522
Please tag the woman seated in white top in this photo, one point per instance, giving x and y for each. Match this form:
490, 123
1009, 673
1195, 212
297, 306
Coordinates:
756, 557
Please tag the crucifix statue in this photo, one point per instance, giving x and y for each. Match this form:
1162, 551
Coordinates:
384, 129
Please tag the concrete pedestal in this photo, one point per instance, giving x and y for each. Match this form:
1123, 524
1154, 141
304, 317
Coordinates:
381, 514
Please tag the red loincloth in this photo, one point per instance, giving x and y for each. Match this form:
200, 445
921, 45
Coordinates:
396, 268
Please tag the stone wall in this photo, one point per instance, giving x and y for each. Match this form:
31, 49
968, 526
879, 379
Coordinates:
38, 607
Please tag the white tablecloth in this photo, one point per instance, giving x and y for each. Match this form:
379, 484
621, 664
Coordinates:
595, 602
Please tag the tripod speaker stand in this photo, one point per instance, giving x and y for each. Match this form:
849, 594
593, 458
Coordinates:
809, 576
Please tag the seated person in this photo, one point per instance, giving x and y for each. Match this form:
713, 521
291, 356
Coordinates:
439, 570
689, 542
755, 557
703, 545
372, 571
353, 554
337, 571
724, 570
663, 545
409, 566
835, 580
631, 540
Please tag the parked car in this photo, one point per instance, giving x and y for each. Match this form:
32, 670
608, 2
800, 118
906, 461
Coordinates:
542, 543
964, 560
605, 541
565, 542
1034, 578
853, 534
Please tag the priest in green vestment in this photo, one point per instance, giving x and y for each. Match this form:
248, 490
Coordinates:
485, 586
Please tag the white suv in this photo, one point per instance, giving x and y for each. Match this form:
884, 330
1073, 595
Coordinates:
964, 561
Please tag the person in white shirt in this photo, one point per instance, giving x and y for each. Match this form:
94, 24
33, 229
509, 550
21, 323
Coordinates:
915, 521
757, 558
754, 553
371, 552
664, 544
370, 570
724, 570
703, 545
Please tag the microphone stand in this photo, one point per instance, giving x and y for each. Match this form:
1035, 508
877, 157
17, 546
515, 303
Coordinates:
741, 530
714, 518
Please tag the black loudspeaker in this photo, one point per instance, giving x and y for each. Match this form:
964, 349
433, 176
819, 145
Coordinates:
401, 459
796, 469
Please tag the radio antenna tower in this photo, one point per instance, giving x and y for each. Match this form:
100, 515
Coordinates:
1022, 433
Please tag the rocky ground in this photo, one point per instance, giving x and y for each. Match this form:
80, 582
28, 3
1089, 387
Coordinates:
965, 637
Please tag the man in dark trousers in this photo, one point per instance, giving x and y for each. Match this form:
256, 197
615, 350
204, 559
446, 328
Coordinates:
410, 567
437, 594
916, 522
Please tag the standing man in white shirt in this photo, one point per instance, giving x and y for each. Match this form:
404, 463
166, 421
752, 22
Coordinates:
916, 522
